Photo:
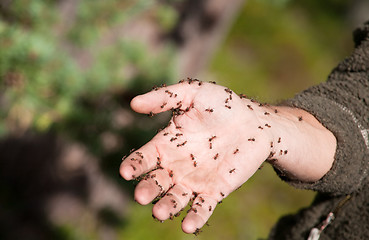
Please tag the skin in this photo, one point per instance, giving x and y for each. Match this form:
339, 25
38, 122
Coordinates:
215, 143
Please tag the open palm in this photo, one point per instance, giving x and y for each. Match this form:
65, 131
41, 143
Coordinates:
214, 142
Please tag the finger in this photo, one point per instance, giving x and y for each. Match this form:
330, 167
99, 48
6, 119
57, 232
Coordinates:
155, 183
172, 203
200, 212
165, 98
141, 161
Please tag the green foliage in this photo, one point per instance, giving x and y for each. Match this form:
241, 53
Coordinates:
274, 51
43, 83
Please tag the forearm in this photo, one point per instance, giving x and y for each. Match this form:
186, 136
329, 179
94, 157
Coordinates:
302, 148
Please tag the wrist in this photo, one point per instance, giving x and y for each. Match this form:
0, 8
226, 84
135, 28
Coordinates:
301, 147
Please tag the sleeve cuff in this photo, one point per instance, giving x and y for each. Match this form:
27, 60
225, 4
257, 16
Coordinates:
350, 166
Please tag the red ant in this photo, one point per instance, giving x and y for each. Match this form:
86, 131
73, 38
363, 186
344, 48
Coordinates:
212, 138
181, 144
162, 106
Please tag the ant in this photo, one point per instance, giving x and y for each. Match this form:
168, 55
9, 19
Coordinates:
139, 154
170, 93
209, 110
197, 232
249, 106
162, 106
236, 151
212, 138
228, 90
232, 170
181, 144
216, 156
251, 139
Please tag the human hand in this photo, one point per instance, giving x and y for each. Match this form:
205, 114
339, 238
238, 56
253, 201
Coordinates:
215, 141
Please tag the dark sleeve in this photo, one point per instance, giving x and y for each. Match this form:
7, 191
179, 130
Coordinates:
341, 104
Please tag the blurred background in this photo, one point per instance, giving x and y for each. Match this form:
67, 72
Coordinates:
69, 69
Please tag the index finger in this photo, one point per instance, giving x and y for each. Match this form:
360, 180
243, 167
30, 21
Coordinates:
140, 161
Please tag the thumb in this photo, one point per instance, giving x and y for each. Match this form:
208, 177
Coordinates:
165, 98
